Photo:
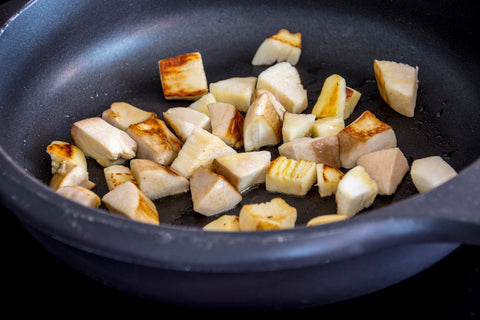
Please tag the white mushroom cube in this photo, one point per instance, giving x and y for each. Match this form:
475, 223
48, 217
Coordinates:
156, 180
200, 149
117, 174
329, 126
284, 82
60, 151
331, 101
227, 123
69, 174
297, 125
122, 115
355, 192
183, 120
387, 167
430, 172
319, 150
155, 141
273, 215
262, 125
327, 218
80, 195
225, 223
103, 142
397, 84
364, 135
183, 77
244, 169
212, 193
290, 176
327, 179
279, 108
127, 200
202, 103
351, 101
238, 91
280, 47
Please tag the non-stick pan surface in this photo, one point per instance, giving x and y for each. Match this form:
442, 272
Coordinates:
69, 61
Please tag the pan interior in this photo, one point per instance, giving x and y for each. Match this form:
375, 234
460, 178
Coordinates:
69, 61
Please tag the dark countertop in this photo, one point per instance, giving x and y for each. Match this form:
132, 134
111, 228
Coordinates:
37, 282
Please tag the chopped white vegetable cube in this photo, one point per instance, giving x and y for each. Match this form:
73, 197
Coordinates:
273, 215
238, 91
225, 222
397, 84
282, 46
430, 172
364, 135
284, 82
297, 125
183, 77
212, 193
355, 191
290, 176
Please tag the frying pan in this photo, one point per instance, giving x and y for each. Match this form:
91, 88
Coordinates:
66, 61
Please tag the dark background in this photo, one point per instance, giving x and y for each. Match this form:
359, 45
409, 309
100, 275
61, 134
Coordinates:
34, 282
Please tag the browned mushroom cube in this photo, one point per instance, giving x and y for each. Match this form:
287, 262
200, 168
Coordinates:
364, 135
183, 77
155, 141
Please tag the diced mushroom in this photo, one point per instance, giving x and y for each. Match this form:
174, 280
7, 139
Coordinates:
183, 77
397, 84
155, 141
60, 151
227, 123
156, 180
127, 200
212, 193
275, 103
329, 126
319, 150
225, 222
262, 125
200, 149
80, 195
183, 120
430, 172
327, 218
290, 176
273, 215
244, 169
103, 142
327, 179
238, 91
364, 135
117, 174
282, 46
331, 101
202, 103
122, 115
284, 82
355, 192
297, 125
351, 101
387, 167
69, 174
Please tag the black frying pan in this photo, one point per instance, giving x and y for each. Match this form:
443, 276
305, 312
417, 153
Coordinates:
69, 61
